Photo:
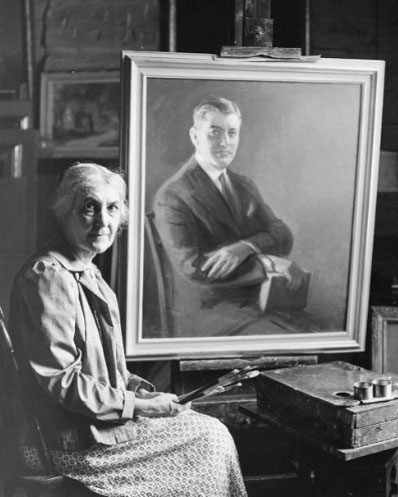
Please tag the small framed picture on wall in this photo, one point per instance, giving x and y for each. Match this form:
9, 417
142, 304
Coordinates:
79, 113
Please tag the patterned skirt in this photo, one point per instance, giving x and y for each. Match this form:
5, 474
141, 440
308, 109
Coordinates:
190, 455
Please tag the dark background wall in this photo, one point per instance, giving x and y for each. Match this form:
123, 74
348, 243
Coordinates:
11, 46
79, 35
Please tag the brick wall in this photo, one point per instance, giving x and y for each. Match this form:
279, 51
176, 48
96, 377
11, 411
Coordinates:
89, 34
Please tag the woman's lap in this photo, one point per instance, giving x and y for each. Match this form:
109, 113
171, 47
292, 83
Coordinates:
187, 455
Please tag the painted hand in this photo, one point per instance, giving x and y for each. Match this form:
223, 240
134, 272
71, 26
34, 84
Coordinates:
295, 277
293, 273
222, 262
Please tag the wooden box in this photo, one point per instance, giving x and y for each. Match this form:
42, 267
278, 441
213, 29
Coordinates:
317, 400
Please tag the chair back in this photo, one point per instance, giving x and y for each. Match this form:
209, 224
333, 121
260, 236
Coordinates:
17, 410
17, 417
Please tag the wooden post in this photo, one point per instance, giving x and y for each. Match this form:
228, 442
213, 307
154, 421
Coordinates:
257, 25
28, 40
239, 17
172, 26
258, 8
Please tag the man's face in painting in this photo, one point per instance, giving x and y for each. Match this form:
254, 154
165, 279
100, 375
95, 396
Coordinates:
216, 138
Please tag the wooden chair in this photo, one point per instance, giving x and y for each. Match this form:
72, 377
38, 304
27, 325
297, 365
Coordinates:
16, 413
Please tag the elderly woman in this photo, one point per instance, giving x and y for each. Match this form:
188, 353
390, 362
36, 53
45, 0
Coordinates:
106, 428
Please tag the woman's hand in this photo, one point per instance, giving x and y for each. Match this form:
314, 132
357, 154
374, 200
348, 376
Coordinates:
143, 393
157, 404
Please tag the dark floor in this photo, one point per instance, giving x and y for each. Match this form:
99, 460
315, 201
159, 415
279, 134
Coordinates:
18, 492
253, 491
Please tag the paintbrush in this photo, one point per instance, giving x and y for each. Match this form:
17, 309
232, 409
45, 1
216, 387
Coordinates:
187, 397
222, 384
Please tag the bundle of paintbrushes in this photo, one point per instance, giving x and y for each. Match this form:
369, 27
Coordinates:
233, 379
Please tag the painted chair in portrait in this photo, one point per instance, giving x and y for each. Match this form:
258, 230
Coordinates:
159, 278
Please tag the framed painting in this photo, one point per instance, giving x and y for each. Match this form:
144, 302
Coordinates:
79, 113
384, 339
287, 267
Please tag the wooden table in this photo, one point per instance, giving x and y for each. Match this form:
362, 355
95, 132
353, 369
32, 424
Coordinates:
327, 468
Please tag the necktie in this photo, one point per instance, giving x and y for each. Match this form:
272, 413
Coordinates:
229, 196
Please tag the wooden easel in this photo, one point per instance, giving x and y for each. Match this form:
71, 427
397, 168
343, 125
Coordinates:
254, 29
253, 23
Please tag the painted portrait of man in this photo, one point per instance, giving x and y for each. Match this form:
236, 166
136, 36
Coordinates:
225, 245
252, 190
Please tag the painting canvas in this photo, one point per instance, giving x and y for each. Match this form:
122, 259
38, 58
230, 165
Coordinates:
305, 167
80, 113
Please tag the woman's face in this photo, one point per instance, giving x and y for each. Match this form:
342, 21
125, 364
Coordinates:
92, 225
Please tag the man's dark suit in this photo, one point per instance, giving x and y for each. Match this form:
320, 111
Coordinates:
193, 219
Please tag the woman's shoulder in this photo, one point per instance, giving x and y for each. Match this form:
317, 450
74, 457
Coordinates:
42, 264
54, 256
45, 261
42, 276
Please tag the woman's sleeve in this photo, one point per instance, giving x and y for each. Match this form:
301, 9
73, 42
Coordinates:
48, 297
135, 382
